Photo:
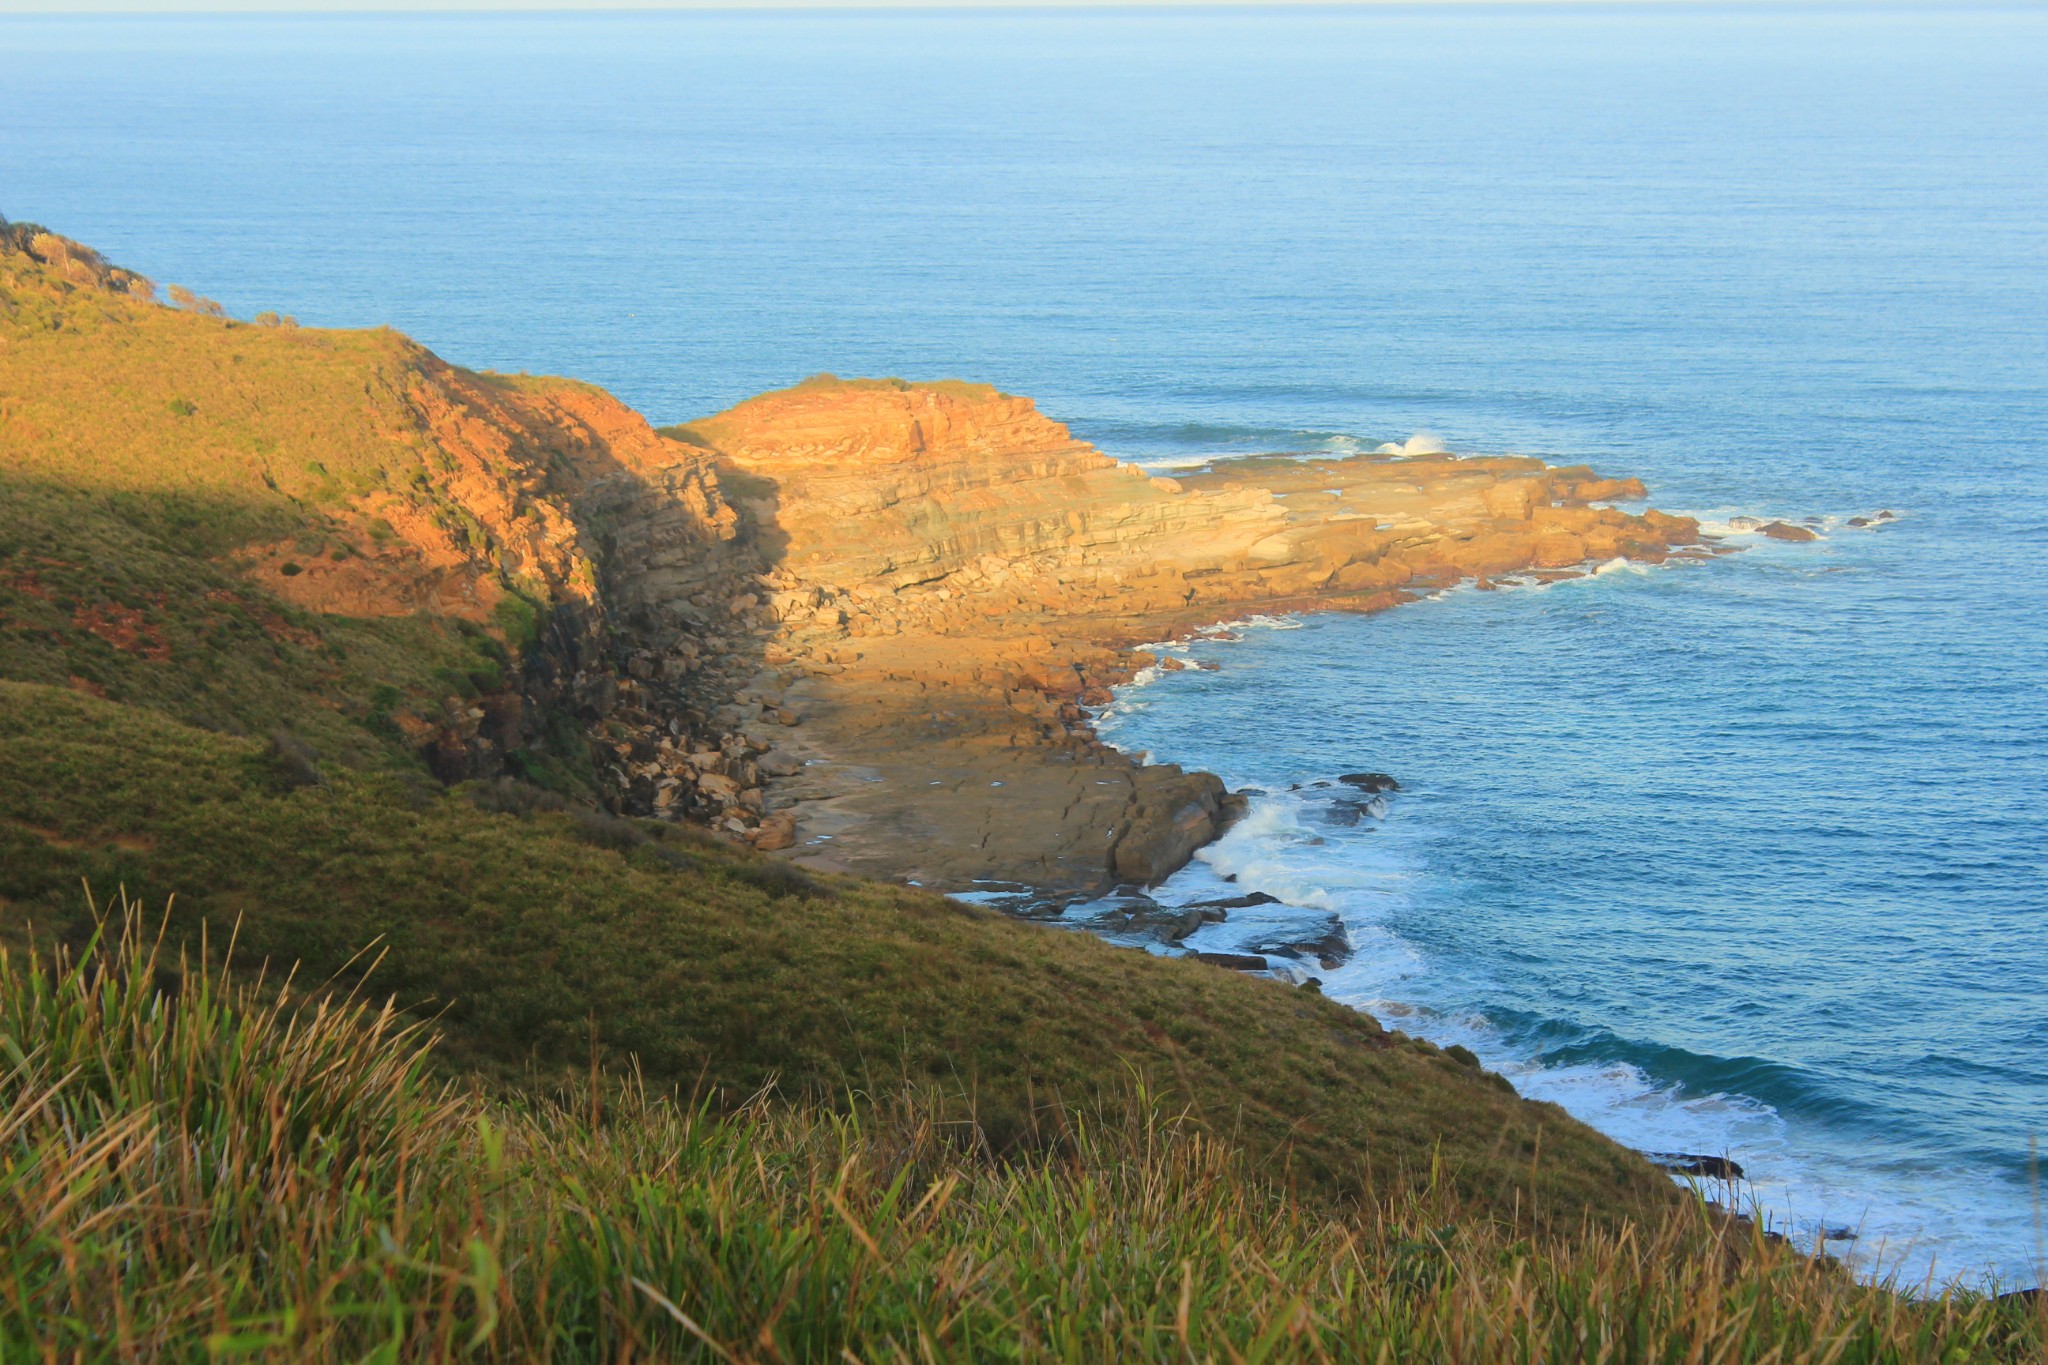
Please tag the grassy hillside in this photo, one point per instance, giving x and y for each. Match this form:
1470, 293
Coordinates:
348, 1208
164, 469
213, 431
263, 527
94, 595
197, 735
529, 936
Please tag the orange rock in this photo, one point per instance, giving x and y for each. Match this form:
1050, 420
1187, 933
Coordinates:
980, 553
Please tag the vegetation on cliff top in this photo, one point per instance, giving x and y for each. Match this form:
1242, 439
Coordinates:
172, 478
705, 431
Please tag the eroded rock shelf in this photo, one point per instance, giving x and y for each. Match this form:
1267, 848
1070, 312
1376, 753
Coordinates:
945, 579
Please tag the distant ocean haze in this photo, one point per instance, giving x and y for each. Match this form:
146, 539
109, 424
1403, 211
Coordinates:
1740, 856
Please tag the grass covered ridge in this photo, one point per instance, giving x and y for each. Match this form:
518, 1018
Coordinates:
255, 527
199, 1168
532, 937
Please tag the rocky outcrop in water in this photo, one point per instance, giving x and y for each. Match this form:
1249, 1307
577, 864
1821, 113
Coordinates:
949, 579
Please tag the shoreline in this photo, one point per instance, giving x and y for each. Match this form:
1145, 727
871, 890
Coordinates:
1819, 1191
950, 582
835, 795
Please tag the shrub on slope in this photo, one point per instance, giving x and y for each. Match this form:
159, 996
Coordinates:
93, 598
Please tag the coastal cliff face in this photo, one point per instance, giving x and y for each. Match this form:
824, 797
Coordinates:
942, 508
949, 578
346, 477
859, 621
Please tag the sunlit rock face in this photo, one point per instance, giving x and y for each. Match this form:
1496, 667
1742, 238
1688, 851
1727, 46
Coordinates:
947, 577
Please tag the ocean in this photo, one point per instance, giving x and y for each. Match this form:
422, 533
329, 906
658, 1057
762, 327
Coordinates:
1742, 857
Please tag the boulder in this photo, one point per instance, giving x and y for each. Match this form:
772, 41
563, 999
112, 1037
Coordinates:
1172, 815
779, 763
1370, 783
777, 831
1785, 530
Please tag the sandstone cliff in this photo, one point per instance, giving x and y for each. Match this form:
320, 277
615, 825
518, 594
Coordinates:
949, 577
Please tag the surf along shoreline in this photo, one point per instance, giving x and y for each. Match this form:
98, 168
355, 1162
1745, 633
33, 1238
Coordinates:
952, 585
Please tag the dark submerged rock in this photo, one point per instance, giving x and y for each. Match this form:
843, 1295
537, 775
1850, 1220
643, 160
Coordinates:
1693, 1163
1167, 923
1237, 962
1372, 784
1243, 902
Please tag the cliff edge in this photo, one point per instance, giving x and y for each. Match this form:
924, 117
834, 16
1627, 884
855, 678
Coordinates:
950, 578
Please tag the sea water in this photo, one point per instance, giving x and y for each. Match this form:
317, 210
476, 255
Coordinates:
1741, 857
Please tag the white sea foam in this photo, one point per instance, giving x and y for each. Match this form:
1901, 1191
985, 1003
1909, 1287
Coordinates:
1166, 464
1746, 524
1797, 1178
1285, 848
1421, 443
1338, 444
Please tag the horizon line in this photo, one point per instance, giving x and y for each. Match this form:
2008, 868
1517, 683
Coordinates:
174, 9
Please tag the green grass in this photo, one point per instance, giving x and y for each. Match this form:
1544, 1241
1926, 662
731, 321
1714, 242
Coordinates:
227, 432
195, 1167
97, 593
528, 937
147, 452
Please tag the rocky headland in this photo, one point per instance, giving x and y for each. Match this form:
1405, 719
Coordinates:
947, 580
862, 623
859, 623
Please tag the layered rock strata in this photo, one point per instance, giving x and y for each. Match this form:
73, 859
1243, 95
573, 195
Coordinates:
948, 579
